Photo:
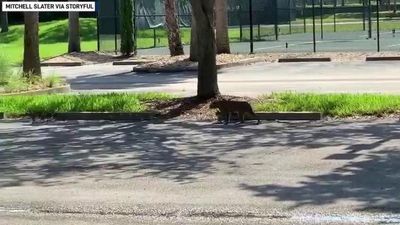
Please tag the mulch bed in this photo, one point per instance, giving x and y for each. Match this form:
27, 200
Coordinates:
190, 108
163, 61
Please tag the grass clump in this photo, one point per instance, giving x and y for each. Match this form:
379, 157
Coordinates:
46, 105
15, 81
334, 105
5, 70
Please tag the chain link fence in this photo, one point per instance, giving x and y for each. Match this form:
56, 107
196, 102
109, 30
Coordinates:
269, 25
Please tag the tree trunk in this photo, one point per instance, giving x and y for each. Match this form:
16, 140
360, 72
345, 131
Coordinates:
3, 21
194, 48
31, 62
207, 86
221, 24
126, 11
171, 21
74, 41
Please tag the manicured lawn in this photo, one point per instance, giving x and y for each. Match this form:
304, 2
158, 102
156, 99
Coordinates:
336, 105
46, 105
53, 39
54, 35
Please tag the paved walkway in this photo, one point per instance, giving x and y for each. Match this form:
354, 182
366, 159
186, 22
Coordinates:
182, 172
250, 80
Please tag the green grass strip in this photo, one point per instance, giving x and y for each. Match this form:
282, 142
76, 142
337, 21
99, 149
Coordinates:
334, 105
47, 105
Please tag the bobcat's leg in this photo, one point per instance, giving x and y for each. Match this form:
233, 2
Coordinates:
227, 117
258, 119
241, 115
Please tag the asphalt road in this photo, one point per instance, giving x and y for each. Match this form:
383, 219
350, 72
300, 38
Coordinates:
252, 80
182, 172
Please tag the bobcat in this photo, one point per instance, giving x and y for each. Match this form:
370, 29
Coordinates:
226, 108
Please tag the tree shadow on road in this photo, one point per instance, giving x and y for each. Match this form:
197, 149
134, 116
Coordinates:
369, 177
58, 153
127, 80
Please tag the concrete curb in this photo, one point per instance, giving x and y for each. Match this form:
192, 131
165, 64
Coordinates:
130, 62
288, 116
382, 58
61, 64
240, 63
194, 68
56, 90
155, 116
289, 60
106, 116
154, 70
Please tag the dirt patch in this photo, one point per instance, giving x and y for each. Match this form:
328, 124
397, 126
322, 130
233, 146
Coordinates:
183, 63
86, 58
190, 108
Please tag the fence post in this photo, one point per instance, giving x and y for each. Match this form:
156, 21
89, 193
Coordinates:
115, 27
334, 16
313, 19
290, 17
322, 18
276, 19
251, 26
377, 27
304, 16
363, 2
240, 23
134, 28
154, 37
369, 19
97, 26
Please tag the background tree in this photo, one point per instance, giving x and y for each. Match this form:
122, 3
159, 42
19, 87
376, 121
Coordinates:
207, 84
74, 40
3, 20
221, 26
126, 10
174, 36
31, 61
194, 52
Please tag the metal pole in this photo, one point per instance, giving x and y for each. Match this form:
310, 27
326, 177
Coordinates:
363, 2
377, 27
134, 29
259, 32
322, 18
369, 20
251, 26
155, 37
97, 24
334, 16
276, 19
290, 17
240, 23
115, 27
304, 16
313, 18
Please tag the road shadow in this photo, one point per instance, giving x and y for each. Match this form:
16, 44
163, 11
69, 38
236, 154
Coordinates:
58, 153
128, 80
370, 175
